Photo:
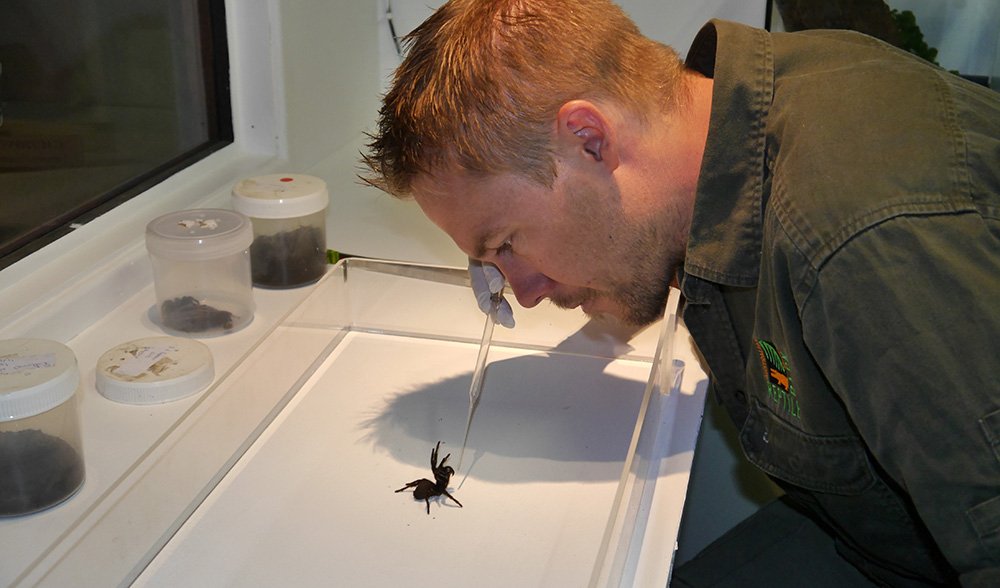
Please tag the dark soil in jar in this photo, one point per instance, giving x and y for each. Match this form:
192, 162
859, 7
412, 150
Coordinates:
188, 315
289, 258
37, 470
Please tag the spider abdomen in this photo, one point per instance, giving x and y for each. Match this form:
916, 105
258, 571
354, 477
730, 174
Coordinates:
425, 489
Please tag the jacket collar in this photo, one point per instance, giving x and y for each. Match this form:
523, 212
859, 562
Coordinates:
725, 240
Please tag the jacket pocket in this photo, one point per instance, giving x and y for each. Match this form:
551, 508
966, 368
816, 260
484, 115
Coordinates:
990, 425
834, 464
985, 516
985, 519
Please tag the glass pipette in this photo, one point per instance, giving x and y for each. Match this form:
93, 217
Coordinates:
476, 389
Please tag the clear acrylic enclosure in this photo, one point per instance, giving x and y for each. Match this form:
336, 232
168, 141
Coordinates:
285, 472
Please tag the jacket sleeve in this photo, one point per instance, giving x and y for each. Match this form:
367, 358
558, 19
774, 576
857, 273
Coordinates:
904, 321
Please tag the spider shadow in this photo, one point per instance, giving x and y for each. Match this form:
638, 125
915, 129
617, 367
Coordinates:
560, 416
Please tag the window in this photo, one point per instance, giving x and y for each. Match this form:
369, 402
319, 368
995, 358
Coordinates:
958, 36
99, 101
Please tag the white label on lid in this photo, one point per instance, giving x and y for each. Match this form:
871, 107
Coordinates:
141, 360
16, 363
275, 187
200, 223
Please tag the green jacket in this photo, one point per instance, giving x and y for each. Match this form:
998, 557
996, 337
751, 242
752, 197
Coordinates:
842, 281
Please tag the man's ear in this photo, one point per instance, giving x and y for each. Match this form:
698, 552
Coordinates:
584, 129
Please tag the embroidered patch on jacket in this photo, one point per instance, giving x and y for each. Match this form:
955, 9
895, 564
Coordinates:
777, 376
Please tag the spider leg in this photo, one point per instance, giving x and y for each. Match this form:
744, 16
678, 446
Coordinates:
410, 485
445, 492
428, 501
434, 456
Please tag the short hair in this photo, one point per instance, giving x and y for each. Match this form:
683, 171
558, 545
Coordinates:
482, 82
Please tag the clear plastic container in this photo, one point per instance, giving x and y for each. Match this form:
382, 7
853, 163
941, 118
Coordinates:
41, 456
201, 271
288, 212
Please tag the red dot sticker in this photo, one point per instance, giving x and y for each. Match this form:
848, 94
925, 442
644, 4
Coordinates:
286, 179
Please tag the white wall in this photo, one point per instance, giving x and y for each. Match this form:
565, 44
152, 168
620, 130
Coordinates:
330, 67
674, 22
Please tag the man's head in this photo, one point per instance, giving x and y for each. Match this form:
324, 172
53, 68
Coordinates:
541, 136
483, 80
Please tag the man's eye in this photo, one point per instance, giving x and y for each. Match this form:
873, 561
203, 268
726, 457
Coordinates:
505, 247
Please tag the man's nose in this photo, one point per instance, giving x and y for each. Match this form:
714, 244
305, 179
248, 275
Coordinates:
530, 286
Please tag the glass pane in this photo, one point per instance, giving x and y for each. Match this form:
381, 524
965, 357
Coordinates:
99, 100
961, 37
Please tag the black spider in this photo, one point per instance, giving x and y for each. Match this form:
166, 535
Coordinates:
424, 489
187, 314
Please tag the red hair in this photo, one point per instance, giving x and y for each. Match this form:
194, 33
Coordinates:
483, 80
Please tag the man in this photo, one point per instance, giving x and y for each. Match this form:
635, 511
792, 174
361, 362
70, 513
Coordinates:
829, 206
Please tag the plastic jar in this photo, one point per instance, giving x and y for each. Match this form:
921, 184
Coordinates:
201, 271
288, 212
41, 457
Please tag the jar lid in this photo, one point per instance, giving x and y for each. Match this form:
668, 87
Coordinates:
154, 370
280, 196
36, 375
196, 235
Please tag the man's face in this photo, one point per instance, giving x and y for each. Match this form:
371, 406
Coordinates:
578, 244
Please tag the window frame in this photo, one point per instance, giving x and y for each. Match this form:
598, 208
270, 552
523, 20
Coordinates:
212, 14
